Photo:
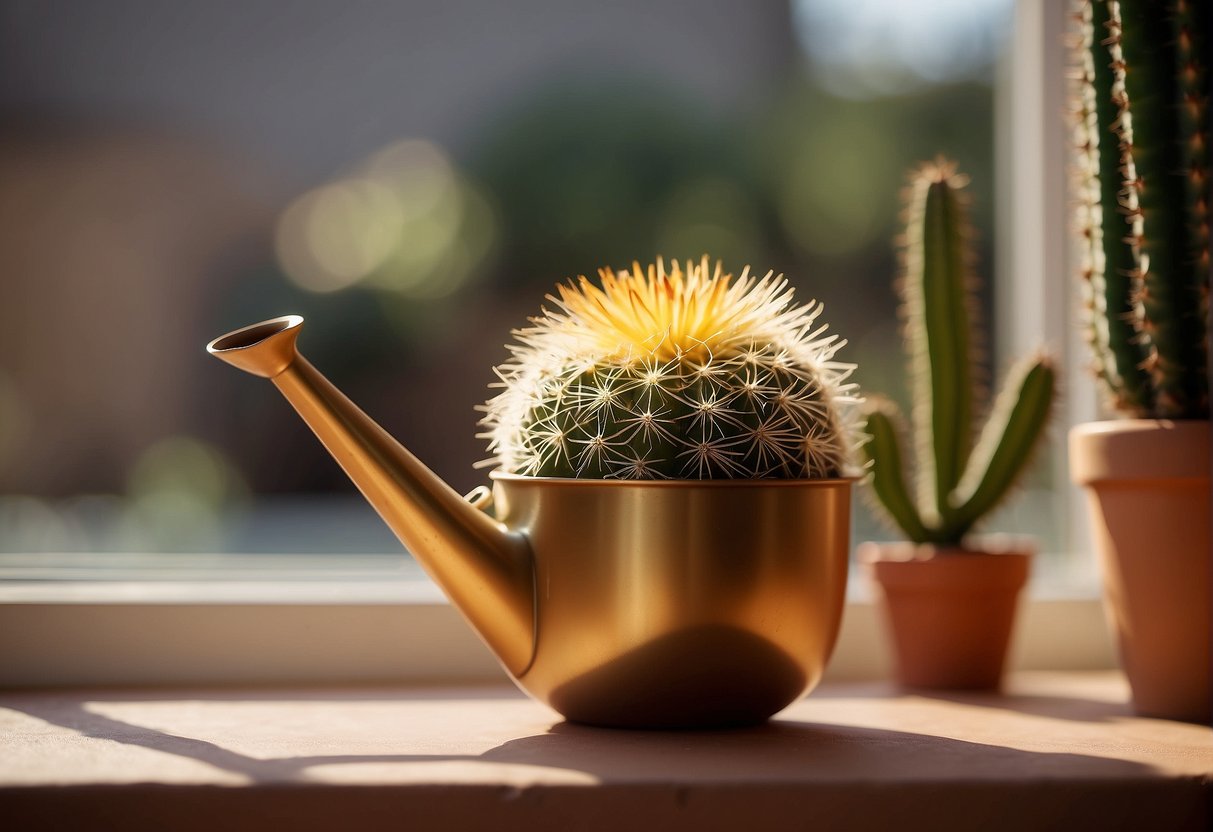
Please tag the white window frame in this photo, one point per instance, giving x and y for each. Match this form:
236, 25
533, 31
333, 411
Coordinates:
1036, 294
233, 632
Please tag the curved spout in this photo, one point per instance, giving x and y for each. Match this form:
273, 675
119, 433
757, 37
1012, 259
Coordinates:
483, 568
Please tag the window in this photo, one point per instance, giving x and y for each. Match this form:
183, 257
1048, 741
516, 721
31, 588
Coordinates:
413, 181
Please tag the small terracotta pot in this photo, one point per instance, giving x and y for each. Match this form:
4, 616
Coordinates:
1148, 487
950, 612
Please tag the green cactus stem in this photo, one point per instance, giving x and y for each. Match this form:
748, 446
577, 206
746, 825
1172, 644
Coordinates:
938, 307
1111, 264
685, 375
959, 481
1143, 108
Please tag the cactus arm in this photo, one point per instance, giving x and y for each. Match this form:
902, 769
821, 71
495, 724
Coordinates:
883, 452
937, 297
1012, 432
1169, 313
1115, 260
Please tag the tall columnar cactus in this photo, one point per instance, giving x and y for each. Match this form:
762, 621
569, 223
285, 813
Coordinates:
1142, 178
958, 480
678, 375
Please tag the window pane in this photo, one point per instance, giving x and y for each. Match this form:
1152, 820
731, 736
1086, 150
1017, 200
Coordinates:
413, 178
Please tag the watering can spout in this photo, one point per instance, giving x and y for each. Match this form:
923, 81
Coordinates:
485, 569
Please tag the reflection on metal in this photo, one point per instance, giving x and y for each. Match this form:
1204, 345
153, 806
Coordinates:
625, 603
680, 603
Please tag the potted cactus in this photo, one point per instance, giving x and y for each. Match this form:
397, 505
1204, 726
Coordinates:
676, 444
949, 599
685, 375
1143, 197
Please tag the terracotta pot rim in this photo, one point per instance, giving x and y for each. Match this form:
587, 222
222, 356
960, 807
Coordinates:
1135, 425
1175, 451
952, 576
904, 551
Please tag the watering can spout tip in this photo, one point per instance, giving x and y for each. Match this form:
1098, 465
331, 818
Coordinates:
264, 349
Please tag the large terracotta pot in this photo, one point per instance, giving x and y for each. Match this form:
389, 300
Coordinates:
949, 612
1148, 487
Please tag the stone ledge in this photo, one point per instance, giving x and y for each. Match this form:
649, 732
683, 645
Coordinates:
1057, 751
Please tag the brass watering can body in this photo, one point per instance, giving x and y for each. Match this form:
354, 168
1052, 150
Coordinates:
617, 602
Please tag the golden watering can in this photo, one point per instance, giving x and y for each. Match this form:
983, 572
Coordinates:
647, 604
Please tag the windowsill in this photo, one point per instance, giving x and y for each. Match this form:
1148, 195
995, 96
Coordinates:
287, 588
1057, 751
232, 632
212, 591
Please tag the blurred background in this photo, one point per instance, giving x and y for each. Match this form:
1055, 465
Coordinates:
413, 178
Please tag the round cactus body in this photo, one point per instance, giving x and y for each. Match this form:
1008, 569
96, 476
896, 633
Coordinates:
679, 375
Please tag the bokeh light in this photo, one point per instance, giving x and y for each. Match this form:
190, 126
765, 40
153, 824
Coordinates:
405, 222
864, 48
179, 490
336, 235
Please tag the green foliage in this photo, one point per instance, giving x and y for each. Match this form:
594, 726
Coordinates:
596, 169
959, 480
1142, 173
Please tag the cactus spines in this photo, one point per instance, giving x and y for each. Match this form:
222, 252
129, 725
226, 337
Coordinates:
959, 480
673, 375
1106, 214
1144, 191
